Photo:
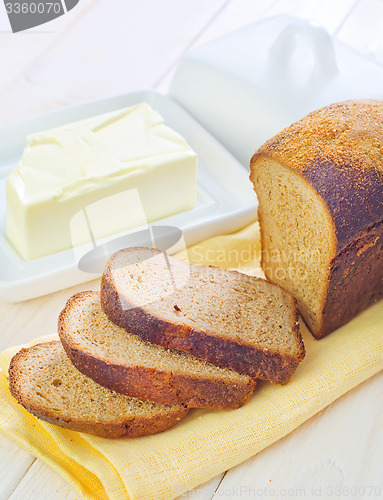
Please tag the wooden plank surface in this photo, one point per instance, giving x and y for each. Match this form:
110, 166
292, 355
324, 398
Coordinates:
49, 485
363, 29
15, 463
114, 47
104, 47
337, 453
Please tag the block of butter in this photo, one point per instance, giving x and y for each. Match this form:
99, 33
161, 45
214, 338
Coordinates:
114, 171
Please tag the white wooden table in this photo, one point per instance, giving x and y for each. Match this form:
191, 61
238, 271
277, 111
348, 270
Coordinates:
106, 47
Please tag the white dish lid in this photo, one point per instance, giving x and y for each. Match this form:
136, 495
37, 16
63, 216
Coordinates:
246, 86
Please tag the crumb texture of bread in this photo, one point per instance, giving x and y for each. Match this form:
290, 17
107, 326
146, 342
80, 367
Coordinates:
44, 381
319, 184
121, 361
224, 317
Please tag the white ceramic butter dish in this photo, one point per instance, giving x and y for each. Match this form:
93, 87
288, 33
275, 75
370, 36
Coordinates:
225, 202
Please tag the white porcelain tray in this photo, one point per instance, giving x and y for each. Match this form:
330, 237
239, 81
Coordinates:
226, 200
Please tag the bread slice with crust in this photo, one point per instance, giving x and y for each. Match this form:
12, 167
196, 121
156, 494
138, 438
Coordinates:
224, 317
45, 382
123, 362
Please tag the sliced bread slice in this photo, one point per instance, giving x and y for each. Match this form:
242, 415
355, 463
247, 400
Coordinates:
45, 382
126, 364
224, 317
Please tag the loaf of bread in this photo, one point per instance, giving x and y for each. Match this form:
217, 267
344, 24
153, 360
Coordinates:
224, 317
319, 184
46, 383
123, 362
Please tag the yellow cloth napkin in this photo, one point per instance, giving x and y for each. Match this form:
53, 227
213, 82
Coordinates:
205, 443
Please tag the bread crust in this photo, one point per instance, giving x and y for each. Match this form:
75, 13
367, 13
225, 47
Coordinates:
164, 387
130, 427
261, 364
356, 280
338, 151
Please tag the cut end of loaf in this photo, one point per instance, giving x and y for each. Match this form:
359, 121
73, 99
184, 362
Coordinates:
297, 236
